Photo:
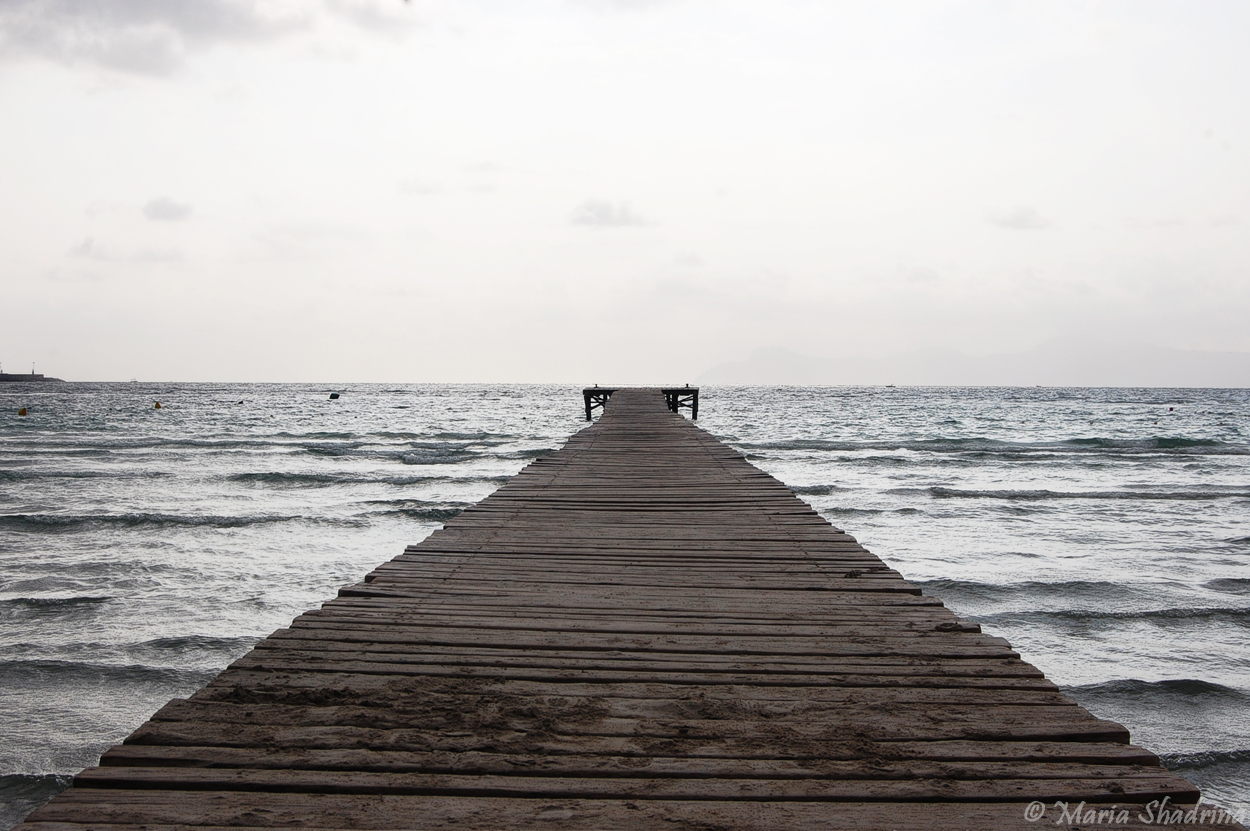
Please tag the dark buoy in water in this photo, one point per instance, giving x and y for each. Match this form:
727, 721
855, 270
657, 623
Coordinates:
22, 411
334, 396
158, 406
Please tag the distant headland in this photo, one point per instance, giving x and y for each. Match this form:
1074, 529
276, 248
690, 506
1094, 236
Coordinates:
24, 376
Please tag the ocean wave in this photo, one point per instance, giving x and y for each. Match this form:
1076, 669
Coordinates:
853, 511
26, 475
939, 492
59, 673
74, 522
53, 604
1227, 616
198, 643
84, 452
419, 509
333, 449
1238, 541
815, 490
535, 453
182, 653
1029, 591
1176, 688
317, 444
1180, 762
277, 477
1230, 585
429, 514
197, 650
432, 457
107, 445
477, 437
43, 611
21, 793
1170, 444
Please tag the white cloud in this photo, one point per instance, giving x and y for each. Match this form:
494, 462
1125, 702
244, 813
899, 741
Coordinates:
164, 209
154, 37
1021, 219
601, 214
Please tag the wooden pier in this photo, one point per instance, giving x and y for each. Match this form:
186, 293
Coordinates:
675, 398
639, 631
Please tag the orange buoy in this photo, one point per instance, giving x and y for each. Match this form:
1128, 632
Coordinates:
22, 411
158, 406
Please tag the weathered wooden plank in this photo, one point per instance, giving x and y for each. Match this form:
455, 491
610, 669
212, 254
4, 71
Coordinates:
125, 810
309, 687
901, 724
1139, 788
627, 767
949, 750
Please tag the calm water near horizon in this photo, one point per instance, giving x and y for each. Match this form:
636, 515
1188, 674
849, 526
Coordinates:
1104, 532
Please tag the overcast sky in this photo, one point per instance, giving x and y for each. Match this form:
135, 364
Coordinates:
597, 191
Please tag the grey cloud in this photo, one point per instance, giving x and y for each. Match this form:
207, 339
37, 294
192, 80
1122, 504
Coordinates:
599, 214
626, 5
56, 275
1021, 219
918, 274
420, 187
383, 17
164, 209
86, 248
157, 255
89, 249
147, 37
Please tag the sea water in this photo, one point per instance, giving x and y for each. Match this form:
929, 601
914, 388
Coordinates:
1104, 532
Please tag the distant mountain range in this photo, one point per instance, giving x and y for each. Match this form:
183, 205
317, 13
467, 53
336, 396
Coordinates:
1057, 363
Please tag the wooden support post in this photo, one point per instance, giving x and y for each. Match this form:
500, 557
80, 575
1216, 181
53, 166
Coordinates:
677, 397
596, 398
